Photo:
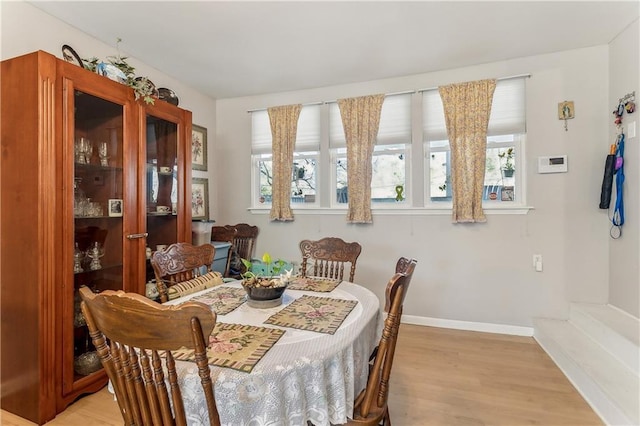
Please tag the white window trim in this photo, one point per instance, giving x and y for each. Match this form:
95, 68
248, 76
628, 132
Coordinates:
325, 200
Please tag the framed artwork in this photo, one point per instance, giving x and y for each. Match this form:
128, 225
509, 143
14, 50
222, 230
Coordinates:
200, 199
115, 207
566, 110
507, 193
198, 148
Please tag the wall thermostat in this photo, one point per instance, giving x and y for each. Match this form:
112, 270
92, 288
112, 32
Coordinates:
552, 164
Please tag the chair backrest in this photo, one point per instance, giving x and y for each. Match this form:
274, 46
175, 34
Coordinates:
134, 337
370, 407
245, 240
225, 234
329, 256
180, 262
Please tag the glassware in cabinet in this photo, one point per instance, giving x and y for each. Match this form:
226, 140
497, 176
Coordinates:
98, 212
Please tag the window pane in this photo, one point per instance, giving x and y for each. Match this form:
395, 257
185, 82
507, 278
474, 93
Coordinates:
303, 179
499, 179
439, 167
303, 183
388, 178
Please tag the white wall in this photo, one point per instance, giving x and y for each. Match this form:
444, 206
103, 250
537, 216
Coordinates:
479, 273
624, 274
25, 29
482, 272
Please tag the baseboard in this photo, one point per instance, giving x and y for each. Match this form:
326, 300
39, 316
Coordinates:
468, 325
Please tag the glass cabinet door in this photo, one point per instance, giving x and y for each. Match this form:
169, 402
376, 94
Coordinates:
98, 211
162, 184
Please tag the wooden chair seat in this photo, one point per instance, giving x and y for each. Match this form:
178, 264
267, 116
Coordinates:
134, 337
180, 262
328, 256
370, 407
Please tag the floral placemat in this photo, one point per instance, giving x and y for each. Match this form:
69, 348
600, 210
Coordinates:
321, 314
236, 346
319, 284
223, 300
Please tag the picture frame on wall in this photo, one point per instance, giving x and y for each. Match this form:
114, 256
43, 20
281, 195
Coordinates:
198, 148
200, 199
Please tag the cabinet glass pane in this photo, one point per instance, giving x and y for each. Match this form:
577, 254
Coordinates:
161, 183
98, 211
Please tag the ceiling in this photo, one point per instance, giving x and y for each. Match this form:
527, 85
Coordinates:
237, 48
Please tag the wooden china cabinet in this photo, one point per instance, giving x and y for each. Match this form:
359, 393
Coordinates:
89, 178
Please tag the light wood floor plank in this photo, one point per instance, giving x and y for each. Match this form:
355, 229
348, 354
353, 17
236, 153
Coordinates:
440, 377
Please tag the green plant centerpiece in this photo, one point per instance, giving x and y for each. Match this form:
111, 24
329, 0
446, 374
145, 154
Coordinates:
265, 282
508, 167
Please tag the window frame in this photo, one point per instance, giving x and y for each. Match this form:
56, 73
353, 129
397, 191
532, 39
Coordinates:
518, 144
395, 149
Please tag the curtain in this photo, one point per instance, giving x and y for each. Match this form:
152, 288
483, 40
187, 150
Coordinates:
284, 124
467, 107
360, 119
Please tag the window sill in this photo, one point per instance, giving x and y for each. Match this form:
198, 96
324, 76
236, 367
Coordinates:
406, 211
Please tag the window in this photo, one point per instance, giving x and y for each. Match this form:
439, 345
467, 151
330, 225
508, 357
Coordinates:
390, 160
503, 183
305, 157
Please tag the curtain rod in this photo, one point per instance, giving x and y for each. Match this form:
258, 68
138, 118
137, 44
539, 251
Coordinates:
335, 100
400, 93
497, 79
406, 92
264, 109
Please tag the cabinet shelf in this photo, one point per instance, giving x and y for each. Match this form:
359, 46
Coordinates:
96, 168
94, 271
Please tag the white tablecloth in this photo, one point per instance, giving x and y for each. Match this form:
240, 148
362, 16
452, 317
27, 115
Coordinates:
305, 376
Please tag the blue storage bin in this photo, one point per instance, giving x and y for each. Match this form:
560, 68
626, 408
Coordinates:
221, 255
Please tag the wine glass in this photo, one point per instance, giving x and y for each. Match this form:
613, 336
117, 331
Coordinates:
103, 154
83, 151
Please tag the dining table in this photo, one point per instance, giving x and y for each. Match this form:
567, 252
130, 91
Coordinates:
302, 361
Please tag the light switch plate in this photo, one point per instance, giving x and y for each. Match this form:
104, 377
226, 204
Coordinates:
631, 129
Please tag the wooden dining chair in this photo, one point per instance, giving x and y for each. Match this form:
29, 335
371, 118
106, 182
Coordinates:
370, 407
245, 239
180, 262
134, 337
225, 234
329, 256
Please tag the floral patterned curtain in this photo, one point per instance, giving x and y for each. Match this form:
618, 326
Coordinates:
360, 119
284, 125
467, 107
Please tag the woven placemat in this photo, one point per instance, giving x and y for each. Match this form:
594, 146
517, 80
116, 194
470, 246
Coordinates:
236, 346
223, 300
321, 314
318, 284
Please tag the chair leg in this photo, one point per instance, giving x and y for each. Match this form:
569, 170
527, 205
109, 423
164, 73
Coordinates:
386, 421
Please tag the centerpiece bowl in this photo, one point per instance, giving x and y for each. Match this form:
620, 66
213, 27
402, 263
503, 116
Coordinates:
264, 292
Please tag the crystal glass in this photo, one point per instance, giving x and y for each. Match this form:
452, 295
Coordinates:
103, 154
79, 198
95, 253
83, 150
78, 256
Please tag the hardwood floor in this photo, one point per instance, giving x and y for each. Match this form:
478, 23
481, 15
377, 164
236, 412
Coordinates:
440, 377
